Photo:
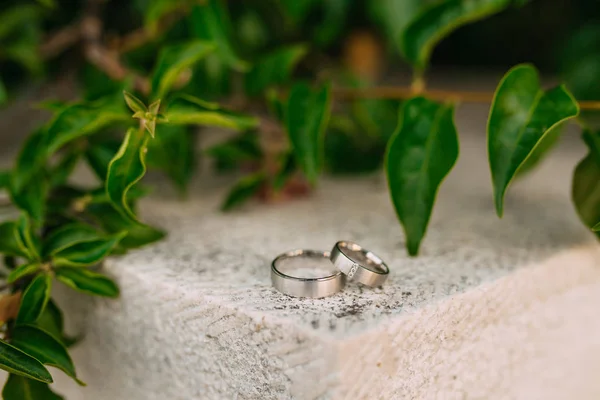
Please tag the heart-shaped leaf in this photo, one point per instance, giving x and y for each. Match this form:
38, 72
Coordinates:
44, 348
210, 21
34, 299
20, 388
419, 155
21, 271
306, 118
436, 22
520, 117
586, 182
88, 282
87, 253
173, 60
274, 68
126, 169
189, 110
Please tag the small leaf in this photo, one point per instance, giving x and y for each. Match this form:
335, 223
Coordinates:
138, 235
34, 299
28, 238
88, 282
20, 388
52, 321
210, 21
173, 60
17, 362
520, 117
425, 31
306, 118
154, 108
586, 182
274, 68
69, 235
22, 270
134, 104
44, 348
81, 119
243, 190
10, 241
189, 110
86, 253
419, 155
32, 198
126, 169
596, 228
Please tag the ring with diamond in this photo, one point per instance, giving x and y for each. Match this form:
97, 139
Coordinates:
316, 283
359, 264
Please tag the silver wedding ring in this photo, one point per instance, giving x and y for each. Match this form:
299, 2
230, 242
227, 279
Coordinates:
359, 264
305, 287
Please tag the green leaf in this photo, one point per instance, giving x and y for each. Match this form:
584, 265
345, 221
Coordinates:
425, 31
112, 221
87, 281
17, 362
173, 60
286, 171
173, 152
544, 147
51, 320
306, 118
134, 104
335, 16
239, 150
59, 175
69, 235
126, 169
87, 253
10, 241
419, 155
22, 270
99, 154
28, 238
20, 388
32, 198
210, 21
586, 182
520, 117
81, 119
596, 228
189, 110
243, 190
393, 16
34, 299
44, 348
274, 68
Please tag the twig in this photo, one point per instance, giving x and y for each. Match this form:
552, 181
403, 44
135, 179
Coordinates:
61, 40
438, 95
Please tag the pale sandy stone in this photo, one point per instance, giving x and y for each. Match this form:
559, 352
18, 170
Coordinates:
492, 309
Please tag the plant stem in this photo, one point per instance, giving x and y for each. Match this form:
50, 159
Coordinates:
392, 92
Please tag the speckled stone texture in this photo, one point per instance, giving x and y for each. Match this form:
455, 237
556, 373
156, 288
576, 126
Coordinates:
491, 308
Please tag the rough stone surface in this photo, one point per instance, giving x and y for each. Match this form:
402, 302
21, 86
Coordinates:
490, 309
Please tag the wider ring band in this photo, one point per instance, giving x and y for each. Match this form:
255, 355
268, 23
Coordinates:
359, 264
306, 287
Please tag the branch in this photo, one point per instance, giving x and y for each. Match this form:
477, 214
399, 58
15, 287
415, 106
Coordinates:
438, 95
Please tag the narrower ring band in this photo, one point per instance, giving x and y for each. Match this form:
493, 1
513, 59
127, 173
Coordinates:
305, 287
359, 264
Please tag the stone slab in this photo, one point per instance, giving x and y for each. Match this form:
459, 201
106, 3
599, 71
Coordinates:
490, 309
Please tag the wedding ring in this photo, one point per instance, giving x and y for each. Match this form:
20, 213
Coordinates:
316, 287
358, 264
